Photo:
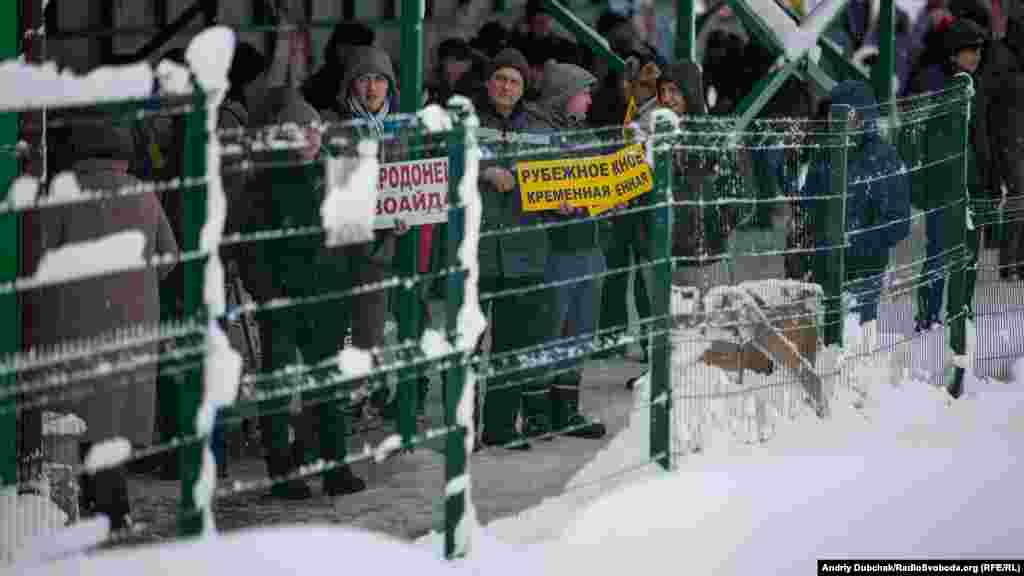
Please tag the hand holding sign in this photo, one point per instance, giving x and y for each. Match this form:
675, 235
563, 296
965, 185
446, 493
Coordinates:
500, 178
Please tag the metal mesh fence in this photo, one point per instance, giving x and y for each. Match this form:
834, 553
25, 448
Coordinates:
756, 273
132, 389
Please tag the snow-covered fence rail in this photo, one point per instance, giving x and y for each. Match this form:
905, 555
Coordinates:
777, 262
272, 245
896, 258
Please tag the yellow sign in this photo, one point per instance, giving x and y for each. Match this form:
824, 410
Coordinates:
597, 183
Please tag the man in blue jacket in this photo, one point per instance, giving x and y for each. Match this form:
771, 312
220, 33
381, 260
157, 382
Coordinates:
877, 202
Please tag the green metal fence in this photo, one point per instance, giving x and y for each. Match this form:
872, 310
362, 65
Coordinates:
749, 244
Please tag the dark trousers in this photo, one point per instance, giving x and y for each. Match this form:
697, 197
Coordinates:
614, 297
316, 332
941, 263
519, 321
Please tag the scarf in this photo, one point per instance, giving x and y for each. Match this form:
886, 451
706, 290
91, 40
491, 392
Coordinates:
376, 120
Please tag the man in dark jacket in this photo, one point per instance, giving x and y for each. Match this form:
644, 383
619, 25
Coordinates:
1002, 75
514, 260
297, 267
322, 88
964, 41
877, 201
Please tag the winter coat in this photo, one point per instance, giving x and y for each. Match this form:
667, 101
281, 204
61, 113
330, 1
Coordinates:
937, 142
1002, 65
561, 82
697, 230
877, 210
122, 405
439, 92
522, 254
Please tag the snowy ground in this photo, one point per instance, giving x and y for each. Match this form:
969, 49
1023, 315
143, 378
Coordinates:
896, 471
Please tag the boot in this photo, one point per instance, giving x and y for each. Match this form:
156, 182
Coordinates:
342, 481
631, 383
537, 413
566, 417
281, 460
104, 492
514, 441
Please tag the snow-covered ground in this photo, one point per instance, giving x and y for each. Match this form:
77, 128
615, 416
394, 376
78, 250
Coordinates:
896, 471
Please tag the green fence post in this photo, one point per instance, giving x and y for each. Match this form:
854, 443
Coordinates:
661, 255
455, 376
190, 455
958, 201
408, 309
686, 24
884, 70
10, 315
831, 214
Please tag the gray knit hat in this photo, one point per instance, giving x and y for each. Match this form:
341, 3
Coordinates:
562, 81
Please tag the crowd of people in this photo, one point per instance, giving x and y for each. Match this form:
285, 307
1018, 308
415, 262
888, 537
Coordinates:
552, 278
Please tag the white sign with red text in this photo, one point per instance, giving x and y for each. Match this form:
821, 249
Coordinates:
415, 192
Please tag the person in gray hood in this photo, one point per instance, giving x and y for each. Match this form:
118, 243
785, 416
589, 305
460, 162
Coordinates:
366, 95
575, 257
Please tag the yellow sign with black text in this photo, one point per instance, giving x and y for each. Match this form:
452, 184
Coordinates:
597, 183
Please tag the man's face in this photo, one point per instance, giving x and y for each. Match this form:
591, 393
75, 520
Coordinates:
505, 87
454, 70
968, 59
579, 105
671, 97
372, 91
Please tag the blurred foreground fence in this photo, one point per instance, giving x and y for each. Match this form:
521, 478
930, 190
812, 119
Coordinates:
758, 251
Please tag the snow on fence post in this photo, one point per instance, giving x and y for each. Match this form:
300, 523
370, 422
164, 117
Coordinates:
190, 455
661, 393
961, 287
831, 214
10, 318
455, 377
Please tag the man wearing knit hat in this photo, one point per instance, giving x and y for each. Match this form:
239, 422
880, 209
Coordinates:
287, 192
514, 260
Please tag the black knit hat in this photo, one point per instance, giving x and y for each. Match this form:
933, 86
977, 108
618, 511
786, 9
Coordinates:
511, 58
964, 33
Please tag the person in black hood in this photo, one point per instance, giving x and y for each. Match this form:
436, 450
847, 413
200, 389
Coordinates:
964, 42
460, 71
699, 234
322, 88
